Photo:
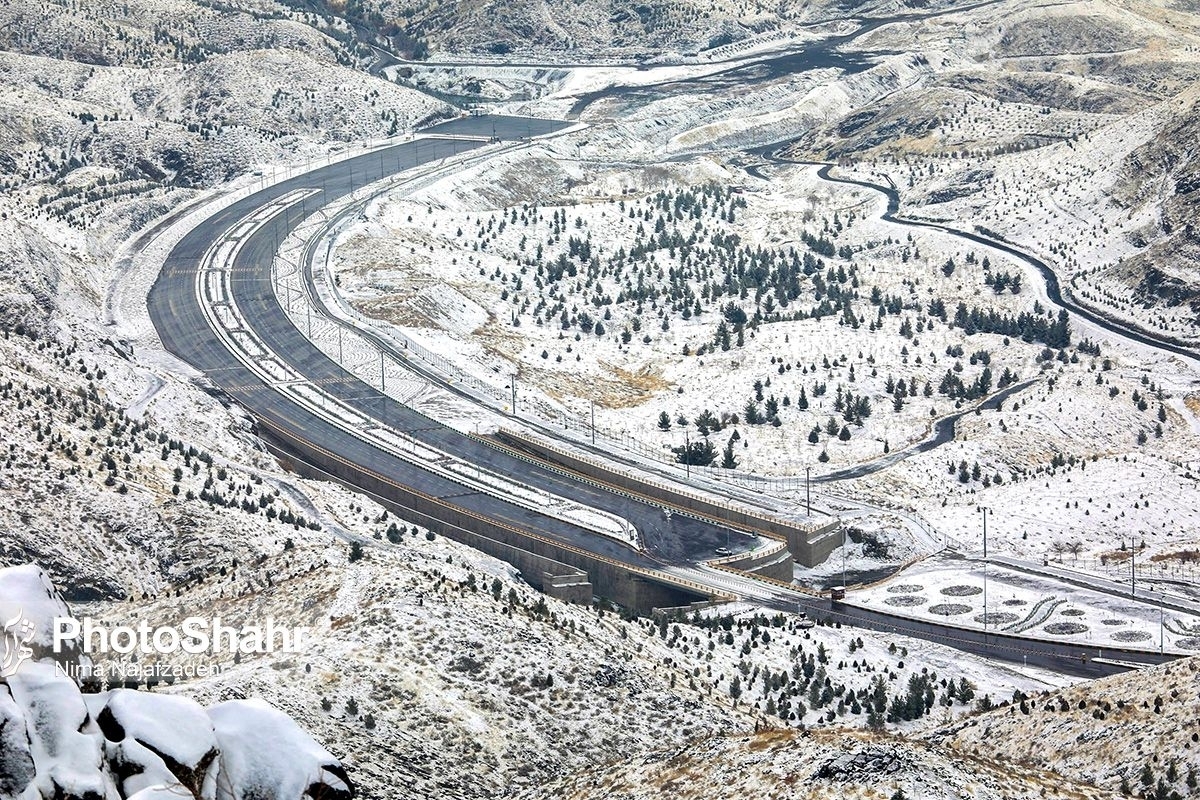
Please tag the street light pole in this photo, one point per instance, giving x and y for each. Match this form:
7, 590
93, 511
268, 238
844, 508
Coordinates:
985, 566
807, 494
843, 557
593, 423
1132, 568
984, 511
687, 452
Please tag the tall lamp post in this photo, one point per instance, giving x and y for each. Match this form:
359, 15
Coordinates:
807, 495
687, 453
843, 556
1132, 568
985, 511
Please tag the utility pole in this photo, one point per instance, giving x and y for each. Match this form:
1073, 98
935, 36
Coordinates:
593, 423
985, 510
1132, 568
687, 452
382, 376
807, 495
514, 394
843, 557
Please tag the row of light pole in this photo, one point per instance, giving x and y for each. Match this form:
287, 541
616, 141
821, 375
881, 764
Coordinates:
984, 511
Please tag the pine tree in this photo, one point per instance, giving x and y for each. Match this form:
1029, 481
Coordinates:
728, 459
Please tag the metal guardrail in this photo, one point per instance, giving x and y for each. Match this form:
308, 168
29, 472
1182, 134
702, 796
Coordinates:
668, 488
791, 587
661, 577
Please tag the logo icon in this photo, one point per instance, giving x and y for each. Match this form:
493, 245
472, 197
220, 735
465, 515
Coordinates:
15, 636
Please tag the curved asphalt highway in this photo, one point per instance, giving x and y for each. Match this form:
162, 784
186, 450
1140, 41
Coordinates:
177, 314
175, 308
1053, 288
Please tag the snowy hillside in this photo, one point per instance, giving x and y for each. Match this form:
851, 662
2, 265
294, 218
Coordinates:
1133, 733
488, 684
817, 765
1067, 130
724, 308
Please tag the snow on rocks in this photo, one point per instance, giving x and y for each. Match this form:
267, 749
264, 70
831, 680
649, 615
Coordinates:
29, 603
265, 754
159, 740
67, 754
56, 742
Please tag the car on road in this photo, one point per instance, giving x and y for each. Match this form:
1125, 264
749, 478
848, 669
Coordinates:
723, 551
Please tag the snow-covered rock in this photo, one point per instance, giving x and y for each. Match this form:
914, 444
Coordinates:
16, 762
265, 755
56, 742
29, 604
67, 754
156, 740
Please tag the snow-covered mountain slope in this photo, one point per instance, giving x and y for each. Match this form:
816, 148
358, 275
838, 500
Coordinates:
1133, 733
817, 765
571, 31
432, 665
108, 111
1067, 128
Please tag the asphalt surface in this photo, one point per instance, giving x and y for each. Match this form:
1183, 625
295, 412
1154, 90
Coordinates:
1065, 657
175, 309
943, 432
1053, 288
825, 53
177, 315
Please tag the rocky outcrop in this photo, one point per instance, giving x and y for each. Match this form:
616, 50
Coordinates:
58, 742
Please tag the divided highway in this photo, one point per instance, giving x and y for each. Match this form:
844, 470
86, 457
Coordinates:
250, 232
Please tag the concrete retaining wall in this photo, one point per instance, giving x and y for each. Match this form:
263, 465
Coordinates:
772, 562
812, 546
807, 542
572, 587
557, 570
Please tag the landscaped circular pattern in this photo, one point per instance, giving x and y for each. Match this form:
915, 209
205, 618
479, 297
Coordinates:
1131, 636
949, 609
1072, 612
1015, 602
1065, 628
997, 618
905, 600
961, 591
1114, 622
1189, 643
905, 588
